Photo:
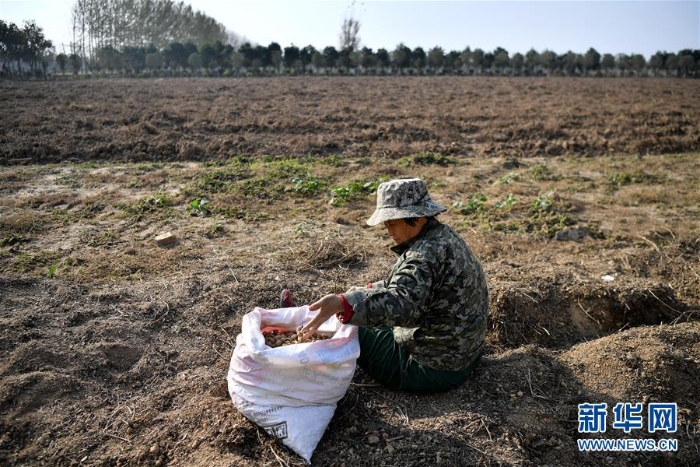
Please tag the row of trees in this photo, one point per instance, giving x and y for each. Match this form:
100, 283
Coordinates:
28, 46
218, 59
124, 24
24, 45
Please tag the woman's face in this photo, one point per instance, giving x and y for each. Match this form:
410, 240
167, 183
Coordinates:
400, 231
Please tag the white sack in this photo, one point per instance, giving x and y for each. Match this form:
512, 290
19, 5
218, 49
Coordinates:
291, 391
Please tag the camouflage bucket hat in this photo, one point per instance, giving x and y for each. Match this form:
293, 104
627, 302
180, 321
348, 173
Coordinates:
401, 199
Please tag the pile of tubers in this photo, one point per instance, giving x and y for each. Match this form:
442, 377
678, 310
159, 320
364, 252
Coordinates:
277, 338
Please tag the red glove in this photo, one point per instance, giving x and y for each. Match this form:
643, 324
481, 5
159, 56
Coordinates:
347, 313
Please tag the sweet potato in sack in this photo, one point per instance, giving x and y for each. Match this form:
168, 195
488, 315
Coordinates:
291, 391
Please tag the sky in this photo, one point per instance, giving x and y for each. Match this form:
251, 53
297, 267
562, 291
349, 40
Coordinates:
621, 26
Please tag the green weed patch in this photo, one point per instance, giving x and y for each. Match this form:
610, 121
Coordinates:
430, 158
541, 215
354, 190
36, 262
308, 185
152, 204
620, 179
542, 173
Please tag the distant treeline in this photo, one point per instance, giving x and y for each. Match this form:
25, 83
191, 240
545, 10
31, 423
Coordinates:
26, 52
124, 24
24, 46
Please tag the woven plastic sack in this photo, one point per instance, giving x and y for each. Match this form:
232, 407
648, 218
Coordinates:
291, 391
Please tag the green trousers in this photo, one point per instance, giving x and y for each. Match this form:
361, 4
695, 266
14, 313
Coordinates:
388, 363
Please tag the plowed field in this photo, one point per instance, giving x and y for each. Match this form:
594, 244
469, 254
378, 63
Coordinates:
581, 197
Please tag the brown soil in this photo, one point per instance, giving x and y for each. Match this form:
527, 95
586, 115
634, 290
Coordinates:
198, 119
114, 351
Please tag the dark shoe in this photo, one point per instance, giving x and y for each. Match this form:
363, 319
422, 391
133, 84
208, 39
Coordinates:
286, 299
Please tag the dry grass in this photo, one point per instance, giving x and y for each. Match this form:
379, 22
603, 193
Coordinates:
326, 251
24, 222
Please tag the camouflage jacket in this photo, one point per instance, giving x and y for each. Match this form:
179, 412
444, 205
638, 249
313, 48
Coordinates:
435, 297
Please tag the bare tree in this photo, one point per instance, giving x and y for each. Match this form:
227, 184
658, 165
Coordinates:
78, 30
140, 23
350, 32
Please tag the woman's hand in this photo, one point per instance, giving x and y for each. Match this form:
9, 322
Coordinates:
327, 306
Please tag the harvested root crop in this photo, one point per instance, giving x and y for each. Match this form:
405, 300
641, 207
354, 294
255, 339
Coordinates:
277, 338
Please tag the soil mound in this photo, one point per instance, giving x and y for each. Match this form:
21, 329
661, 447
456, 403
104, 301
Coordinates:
657, 363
